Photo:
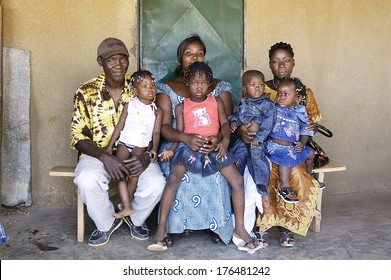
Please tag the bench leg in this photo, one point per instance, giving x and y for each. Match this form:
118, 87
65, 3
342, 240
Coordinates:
315, 225
80, 218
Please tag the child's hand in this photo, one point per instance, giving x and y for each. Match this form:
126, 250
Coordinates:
254, 142
166, 155
221, 148
210, 145
299, 146
109, 149
233, 126
153, 154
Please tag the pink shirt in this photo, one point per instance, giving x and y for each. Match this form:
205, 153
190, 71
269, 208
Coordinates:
201, 117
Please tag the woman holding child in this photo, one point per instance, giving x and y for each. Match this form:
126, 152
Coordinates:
201, 202
288, 217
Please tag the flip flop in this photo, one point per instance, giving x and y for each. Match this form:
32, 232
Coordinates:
243, 246
158, 246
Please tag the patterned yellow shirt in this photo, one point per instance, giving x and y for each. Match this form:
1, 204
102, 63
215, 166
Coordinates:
94, 114
311, 105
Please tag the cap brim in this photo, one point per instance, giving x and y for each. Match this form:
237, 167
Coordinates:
113, 52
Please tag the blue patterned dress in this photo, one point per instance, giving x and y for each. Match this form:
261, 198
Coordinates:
290, 124
3, 236
201, 202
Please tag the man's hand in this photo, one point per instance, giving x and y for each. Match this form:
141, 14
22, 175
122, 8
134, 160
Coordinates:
244, 134
137, 164
195, 142
114, 167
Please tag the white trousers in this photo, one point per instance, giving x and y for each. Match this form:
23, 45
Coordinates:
93, 181
252, 201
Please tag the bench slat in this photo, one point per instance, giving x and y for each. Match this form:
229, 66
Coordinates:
332, 166
62, 171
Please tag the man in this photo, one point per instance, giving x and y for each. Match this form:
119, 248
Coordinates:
98, 104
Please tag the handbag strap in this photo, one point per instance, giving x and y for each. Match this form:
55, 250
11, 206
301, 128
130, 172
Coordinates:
323, 130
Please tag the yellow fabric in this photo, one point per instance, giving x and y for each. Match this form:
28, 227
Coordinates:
294, 217
94, 114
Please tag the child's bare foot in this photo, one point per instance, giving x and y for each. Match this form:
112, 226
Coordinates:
126, 211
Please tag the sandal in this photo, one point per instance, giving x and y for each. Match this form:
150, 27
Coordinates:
243, 246
167, 240
216, 238
157, 246
287, 239
288, 195
263, 238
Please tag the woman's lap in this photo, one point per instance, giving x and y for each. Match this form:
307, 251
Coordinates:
202, 203
294, 217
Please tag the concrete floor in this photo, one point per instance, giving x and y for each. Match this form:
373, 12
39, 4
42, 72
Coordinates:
354, 227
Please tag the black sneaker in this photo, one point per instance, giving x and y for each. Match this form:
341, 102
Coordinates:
288, 195
99, 238
140, 233
321, 184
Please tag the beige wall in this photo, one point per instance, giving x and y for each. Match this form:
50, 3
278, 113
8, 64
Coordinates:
340, 49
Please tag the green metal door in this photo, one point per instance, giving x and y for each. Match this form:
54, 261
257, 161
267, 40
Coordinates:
165, 23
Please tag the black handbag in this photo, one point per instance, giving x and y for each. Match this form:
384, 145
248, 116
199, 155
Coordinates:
321, 158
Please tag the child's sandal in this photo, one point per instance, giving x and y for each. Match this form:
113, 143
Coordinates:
288, 195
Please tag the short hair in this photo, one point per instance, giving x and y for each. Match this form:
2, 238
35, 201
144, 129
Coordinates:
140, 75
201, 68
282, 46
250, 73
179, 71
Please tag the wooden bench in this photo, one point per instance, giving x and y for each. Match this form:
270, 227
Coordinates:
332, 166
69, 171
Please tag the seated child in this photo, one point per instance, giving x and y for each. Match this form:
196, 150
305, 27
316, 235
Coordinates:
260, 112
138, 128
204, 116
286, 145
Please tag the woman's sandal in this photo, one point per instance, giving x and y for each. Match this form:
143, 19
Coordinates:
167, 240
288, 195
161, 245
263, 238
287, 239
243, 246
157, 246
216, 238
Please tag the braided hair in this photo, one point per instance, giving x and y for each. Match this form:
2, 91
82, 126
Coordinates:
200, 68
140, 75
301, 89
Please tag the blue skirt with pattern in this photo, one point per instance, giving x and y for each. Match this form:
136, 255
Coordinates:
285, 155
199, 163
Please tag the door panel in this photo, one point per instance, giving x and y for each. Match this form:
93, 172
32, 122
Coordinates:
165, 23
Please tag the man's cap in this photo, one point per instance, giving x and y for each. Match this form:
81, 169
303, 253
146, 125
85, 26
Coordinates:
112, 46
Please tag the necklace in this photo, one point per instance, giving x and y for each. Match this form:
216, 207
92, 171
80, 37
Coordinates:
274, 84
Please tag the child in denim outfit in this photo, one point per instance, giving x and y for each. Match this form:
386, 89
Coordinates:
286, 145
259, 113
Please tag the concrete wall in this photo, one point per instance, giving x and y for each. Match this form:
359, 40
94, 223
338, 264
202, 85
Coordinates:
340, 49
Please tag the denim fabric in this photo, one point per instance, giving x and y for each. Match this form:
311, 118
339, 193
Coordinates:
3, 236
262, 111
